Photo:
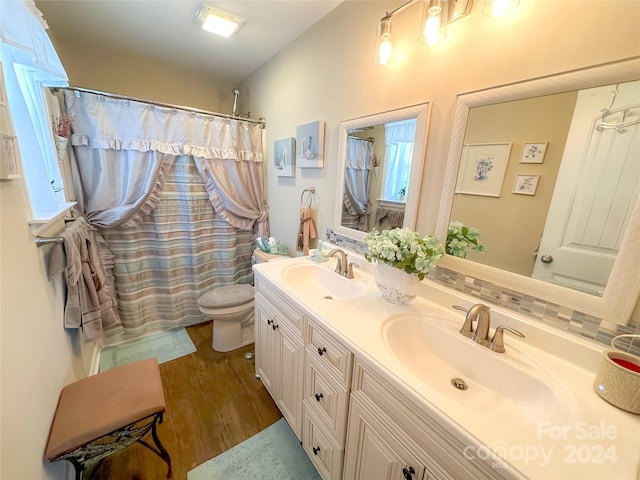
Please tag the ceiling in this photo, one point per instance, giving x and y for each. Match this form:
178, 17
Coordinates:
163, 31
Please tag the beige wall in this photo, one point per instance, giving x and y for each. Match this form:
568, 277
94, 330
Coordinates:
511, 225
108, 72
329, 74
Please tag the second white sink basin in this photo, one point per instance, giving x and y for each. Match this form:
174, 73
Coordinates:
319, 280
499, 385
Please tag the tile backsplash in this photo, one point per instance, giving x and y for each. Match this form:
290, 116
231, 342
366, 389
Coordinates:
552, 314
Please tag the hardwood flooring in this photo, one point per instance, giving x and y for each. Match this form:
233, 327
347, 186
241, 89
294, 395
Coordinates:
214, 401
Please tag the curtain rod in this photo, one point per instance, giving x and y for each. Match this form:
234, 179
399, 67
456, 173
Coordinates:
262, 121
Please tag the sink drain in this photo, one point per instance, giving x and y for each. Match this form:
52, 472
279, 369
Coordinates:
328, 297
459, 383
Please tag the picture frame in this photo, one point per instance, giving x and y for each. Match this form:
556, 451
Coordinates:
284, 160
310, 145
9, 158
533, 152
526, 184
482, 168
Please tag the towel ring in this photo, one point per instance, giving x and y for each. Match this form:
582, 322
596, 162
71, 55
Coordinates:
310, 191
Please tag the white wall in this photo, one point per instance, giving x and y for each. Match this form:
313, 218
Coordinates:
329, 74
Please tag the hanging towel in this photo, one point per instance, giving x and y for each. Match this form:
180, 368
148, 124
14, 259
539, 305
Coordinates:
307, 230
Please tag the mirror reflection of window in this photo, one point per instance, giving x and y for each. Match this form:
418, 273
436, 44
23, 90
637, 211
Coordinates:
399, 150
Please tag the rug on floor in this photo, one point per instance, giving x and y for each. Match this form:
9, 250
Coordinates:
272, 454
165, 345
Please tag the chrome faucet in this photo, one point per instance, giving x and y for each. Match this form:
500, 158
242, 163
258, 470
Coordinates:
480, 313
341, 261
343, 268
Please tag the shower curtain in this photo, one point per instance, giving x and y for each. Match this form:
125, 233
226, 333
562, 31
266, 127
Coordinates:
178, 197
356, 202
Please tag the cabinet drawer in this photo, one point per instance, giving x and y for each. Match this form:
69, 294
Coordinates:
330, 353
322, 449
327, 397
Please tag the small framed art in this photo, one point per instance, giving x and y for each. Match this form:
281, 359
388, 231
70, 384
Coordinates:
526, 184
310, 145
9, 163
284, 157
533, 152
482, 168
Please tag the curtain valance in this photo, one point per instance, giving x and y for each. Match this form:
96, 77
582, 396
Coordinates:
100, 122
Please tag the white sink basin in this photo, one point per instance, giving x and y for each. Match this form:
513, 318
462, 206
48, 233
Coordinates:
499, 386
319, 280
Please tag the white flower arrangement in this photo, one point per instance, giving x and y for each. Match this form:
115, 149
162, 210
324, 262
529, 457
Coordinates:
404, 249
461, 239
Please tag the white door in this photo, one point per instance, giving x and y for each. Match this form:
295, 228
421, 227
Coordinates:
596, 189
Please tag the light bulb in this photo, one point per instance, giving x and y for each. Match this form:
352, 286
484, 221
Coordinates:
432, 29
385, 51
433, 24
499, 8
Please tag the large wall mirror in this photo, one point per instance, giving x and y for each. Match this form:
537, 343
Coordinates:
559, 209
379, 170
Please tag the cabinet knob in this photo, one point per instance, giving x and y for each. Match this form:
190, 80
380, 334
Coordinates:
318, 396
269, 322
316, 450
408, 473
321, 351
274, 326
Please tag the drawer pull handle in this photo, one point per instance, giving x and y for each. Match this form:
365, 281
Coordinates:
318, 396
316, 450
408, 473
321, 351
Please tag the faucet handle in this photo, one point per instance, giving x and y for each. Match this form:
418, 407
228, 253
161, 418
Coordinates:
350, 270
497, 342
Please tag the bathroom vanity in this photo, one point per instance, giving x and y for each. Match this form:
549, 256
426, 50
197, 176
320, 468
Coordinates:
381, 391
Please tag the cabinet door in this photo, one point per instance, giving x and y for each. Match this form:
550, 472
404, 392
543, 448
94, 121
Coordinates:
373, 453
267, 351
290, 398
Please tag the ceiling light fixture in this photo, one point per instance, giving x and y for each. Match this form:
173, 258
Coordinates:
217, 21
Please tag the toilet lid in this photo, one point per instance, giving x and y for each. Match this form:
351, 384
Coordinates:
227, 296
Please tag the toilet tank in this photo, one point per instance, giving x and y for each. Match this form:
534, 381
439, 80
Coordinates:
260, 257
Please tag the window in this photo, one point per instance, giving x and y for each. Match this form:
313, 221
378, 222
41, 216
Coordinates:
30, 64
399, 137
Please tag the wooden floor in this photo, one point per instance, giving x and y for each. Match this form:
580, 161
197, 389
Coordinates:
214, 402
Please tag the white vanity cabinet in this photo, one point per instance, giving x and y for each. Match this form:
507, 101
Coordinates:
327, 383
389, 438
279, 352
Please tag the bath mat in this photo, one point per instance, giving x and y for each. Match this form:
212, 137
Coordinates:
272, 454
166, 345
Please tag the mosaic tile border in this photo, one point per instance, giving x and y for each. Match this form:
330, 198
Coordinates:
549, 313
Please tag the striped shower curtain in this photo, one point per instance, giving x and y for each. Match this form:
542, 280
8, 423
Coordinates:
178, 251
178, 196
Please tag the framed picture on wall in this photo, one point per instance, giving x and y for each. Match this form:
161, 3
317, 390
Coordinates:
9, 163
533, 152
284, 157
310, 145
526, 184
482, 168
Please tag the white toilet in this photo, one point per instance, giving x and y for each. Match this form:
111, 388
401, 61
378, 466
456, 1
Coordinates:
231, 309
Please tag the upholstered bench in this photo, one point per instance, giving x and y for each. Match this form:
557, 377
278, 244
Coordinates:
104, 413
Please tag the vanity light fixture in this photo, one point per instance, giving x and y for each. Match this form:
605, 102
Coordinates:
499, 8
434, 21
436, 15
217, 21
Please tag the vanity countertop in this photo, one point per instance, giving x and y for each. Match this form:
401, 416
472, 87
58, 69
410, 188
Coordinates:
586, 438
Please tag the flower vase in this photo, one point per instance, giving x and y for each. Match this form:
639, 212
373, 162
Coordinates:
395, 285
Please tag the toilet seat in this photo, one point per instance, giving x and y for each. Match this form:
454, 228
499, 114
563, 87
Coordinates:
227, 296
